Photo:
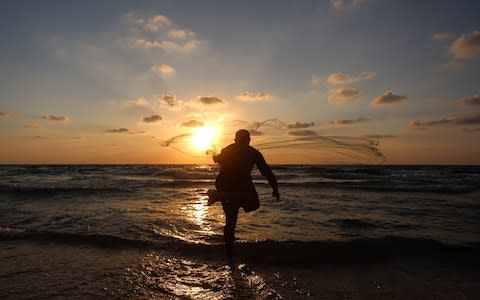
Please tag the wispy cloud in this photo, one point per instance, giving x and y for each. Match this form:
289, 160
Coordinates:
343, 95
467, 46
300, 125
441, 36
180, 34
160, 32
167, 45
5, 114
118, 130
193, 123
347, 122
472, 101
59, 118
345, 78
209, 100
156, 23
471, 119
32, 126
250, 96
169, 100
467, 119
163, 69
389, 98
423, 125
345, 4
152, 119
139, 102
123, 130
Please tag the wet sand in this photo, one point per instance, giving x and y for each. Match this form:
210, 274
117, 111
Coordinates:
402, 279
42, 270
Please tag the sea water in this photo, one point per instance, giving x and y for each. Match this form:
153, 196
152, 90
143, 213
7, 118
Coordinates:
163, 240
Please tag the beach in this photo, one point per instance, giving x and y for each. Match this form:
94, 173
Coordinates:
46, 270
145, 232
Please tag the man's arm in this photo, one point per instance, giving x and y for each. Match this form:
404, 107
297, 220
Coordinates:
272, 180
267, 172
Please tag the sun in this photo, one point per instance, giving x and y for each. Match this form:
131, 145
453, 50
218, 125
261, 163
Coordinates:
203, 138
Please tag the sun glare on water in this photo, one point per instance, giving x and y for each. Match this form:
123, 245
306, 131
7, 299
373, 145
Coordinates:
203, 138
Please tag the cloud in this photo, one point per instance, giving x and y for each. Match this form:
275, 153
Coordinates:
56, 118
143, 43
419, 125
468, 120
210, 100
345, 4
470, 130
169, 100
159, 32
193, 123
156, 23
343, 95
305, 132
472, 101
300, 125
152, 119
467, 46
5, 114
187, 46
32, 126
170, 46
440, 36
119, 130
249, 96
163, 69
348, 122
344, 78
137, 102
454, 120
180, 34
389, 98
123, 130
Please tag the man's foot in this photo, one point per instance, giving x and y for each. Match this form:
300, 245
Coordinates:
229, 250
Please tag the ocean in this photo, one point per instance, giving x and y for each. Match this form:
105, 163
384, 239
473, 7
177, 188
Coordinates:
146, 232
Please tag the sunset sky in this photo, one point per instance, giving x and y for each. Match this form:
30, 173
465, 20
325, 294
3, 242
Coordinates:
112, 81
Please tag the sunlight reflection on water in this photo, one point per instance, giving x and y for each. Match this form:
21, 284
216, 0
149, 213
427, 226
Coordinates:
192, 220
196, 212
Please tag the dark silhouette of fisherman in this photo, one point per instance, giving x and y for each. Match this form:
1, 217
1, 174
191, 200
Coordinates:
236, 163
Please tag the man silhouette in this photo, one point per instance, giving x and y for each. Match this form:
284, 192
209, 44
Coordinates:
235, 182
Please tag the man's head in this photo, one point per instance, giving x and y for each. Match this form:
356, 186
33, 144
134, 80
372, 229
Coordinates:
242, 137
